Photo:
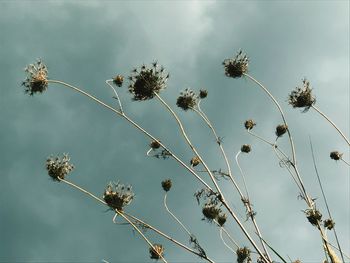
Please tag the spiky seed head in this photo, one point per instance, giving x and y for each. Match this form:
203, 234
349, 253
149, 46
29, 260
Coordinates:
329, 224
222, 219
243, 254
281, 129
314, 216
147, 81
195, 161
249, 124
186, 100
58, 168
203, 93
335, 155
156, 252
237, 66
118, 80
302, 96
117, 195
246, 148
154, 145
211, 211
166, 184
36, 81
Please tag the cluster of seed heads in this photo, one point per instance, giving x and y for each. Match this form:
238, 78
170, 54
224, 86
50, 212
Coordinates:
243, 255
302, 96
246, 148
249, 124
166, 185
36, 81
147, 81
335, 155
118, 196
281, 129
156, 252
237, 66
187, 99
58, 168
213, 212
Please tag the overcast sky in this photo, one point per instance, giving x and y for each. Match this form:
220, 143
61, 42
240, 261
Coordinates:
86, 42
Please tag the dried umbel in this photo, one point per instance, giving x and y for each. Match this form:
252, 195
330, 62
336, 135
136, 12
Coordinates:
335, 155
281, 129
36, 81
314, 216
117, 195
222, 219
249, 124
243, 255
147, 81
156, 252
302, 96
195, 161
154, 145
246, 148
186, 100
203, 94
235, 67
211, 212
118, 80
329, 224
58, 168
166, 184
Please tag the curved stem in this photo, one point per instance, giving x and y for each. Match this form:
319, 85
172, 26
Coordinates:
280, 110
223, 241
331, 122
242, 174
180, 223
115, 93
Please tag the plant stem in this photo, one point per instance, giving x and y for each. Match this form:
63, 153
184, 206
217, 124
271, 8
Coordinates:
115, 93
331, 122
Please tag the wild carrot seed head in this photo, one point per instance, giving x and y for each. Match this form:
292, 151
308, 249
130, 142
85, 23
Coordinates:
36, 81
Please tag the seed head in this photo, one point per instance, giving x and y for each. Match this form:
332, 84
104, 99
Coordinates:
117, 195
156, 252
302, 96
235, 67
195, 161
243, 254
166, 184
246, 148
36, 81
335, 155
314, 216
249, 124
211, 211
281, 129
222, 219
154, 145
58, 168
118, 80
147, 81
187, 100
329, 224
203, 93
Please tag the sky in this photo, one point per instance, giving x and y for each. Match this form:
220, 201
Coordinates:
86, 42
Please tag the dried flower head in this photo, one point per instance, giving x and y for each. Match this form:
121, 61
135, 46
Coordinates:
203, 93
118, 80
235, 67
58, 168
249, 124
187, 99
222, 219
117, 195
156, 252
166, 184
243, 254
195, 161
281, 129
314, 216
36, 80
147, 81
154, 145
329, 224
211, 211
335, 155
302, 97
297, 261
246, 148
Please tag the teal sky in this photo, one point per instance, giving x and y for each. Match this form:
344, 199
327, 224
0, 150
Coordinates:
86, 42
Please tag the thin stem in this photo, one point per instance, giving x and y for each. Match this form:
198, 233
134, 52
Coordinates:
259, 137
168, 237
180, 223
348, 164
228, 234
242, 174
280, 110
223, 241
115, 93
331, 122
